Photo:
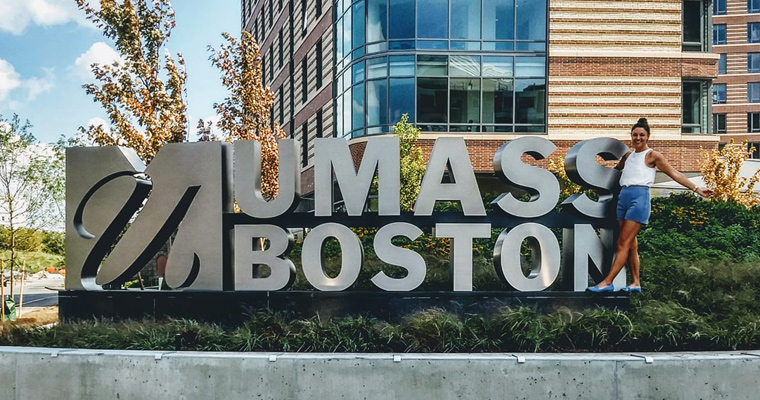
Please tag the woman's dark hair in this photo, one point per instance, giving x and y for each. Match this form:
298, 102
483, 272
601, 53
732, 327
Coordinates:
642, 123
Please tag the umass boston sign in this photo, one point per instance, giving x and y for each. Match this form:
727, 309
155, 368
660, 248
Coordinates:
121, 213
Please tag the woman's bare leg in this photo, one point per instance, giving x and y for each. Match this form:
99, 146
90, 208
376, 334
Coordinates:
634, 264
626, 242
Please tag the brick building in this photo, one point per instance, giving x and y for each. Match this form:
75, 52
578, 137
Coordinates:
736, 90
489, 70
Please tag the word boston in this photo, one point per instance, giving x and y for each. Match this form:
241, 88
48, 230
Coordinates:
121, 213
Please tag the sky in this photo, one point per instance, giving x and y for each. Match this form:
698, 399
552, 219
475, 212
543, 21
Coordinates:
47, 46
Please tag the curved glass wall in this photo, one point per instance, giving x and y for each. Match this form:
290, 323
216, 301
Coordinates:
452, 65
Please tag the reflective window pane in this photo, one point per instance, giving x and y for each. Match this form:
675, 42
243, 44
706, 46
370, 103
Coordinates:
358, 27
402, 65
347, 116
722, 64
465, 101
358, 106
531, 20
690, 106
431, 65
401, 19
432, 103
498, 19
530, 101
753, 62
530, 66
465, 19
497, 101
377, 102
358, 72
692, 22
401, 96
464, 65
377, 20
719, 93
432, 20
347, 34
497, 66
377, 67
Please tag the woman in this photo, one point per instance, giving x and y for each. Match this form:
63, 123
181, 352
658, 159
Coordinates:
633, 207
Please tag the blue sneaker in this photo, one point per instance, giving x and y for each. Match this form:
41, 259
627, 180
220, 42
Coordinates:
630, 289
596, 289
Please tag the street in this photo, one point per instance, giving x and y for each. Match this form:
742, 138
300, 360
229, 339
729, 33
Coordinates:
39, 292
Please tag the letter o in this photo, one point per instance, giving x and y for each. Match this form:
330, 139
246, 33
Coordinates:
352, 256
545, 248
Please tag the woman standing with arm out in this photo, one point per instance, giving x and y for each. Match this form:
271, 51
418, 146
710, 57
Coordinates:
633, 206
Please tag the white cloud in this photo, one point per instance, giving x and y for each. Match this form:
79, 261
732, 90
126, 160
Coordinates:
37, 86
9, 80
98, 53
97, 121
17, 15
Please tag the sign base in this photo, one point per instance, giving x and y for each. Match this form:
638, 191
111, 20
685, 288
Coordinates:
236, 307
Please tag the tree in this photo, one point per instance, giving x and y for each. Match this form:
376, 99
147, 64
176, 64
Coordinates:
720, 170
245, 113
31, 185
143, 93
412, 163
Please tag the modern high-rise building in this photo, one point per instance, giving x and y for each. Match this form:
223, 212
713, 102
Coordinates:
736, 90
489, 70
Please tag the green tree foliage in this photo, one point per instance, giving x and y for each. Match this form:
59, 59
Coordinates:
143, 94
31, 187
412, 163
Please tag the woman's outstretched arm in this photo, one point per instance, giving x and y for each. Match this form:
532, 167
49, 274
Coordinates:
663, 165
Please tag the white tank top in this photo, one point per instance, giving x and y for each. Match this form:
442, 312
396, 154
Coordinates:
636, 172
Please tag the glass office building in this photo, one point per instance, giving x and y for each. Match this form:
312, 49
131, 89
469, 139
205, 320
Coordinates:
458, 66
489, 70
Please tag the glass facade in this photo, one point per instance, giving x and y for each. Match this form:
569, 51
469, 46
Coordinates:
452, 65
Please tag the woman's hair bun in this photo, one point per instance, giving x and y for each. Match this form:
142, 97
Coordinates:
642, 121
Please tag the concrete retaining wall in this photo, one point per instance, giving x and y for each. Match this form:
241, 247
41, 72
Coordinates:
37, 373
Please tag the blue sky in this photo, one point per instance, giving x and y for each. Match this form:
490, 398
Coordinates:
46, 47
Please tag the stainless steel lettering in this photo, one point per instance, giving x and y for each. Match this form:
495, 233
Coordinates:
544, 252
461, 250
312, 259
249, 255
582, 168
451, 152
332, 155
393, 255
248, 179
541, 184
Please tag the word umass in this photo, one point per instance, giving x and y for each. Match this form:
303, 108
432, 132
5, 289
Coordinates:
587, 225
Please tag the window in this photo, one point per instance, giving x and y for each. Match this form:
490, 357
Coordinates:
432, 21
401, 19
753, 92
271, 13
722, 64
753, 62
263, 71
304, 18
694, 21
719, 123
719, 34
304, 80
694, 107
719, 93
753, 148
319, 8
753, 32
305, 144
753, 122
319, 63
753, 6
282, 105
719, 7
319, 123
282, 49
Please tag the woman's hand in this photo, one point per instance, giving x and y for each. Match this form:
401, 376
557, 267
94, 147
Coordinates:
704, 192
